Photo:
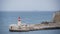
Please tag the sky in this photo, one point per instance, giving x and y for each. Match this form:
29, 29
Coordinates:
29, 5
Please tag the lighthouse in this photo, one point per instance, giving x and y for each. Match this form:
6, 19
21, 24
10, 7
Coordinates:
19, 21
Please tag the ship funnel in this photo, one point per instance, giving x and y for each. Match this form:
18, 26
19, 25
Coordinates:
19, 21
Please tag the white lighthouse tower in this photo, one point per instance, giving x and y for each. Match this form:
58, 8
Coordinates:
19, 21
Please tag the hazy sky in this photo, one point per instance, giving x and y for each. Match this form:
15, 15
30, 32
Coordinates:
29, 5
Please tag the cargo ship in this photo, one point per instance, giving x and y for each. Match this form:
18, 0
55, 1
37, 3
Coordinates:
20, 27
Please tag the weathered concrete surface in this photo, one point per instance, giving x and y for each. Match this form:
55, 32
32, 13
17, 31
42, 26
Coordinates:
37, 27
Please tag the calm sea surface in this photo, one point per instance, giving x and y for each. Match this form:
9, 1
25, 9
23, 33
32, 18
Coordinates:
7, 18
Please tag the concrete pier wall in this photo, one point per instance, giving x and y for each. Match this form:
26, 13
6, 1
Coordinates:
45, 25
